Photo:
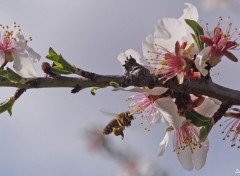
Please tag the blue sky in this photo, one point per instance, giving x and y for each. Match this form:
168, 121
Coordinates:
45, 135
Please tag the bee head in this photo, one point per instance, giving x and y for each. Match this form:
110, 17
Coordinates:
129, 116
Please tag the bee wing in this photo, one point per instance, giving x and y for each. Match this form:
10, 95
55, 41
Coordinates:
107, 113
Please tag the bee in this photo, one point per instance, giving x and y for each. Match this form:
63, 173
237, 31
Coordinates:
118, 124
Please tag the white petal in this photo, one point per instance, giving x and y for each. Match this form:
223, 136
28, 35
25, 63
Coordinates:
20, 43
180, 78
148, 48
35, 56
163, 144
154, 91
201, 59
122, 56
158, 118
2, 58
157, 90
190, 12
130, 89
199, 156
24, 65
134, 54
208, 107
168, 32
169, 111
185, 158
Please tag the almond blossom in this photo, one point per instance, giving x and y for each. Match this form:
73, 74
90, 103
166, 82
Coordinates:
14, 48
220, 43
171, 49
191, 152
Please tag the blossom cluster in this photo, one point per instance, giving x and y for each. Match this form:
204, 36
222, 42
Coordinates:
181, 48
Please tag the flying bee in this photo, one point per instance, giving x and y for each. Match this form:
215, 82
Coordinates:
118, 124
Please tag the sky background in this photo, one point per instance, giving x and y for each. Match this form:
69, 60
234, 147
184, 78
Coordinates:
45, 134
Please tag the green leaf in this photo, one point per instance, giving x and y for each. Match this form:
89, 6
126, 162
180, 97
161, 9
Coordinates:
7, 106
60, 70
12, 76
196, 118
93, 90
61, 65
114, 84
205, 130
198, 30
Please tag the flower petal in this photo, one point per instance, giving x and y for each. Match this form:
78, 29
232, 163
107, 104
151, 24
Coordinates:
169, 111
122, 56
190, 12
199, 156
168, 31
2, 58
208, 107
34, 56
24, 65
21, 43
154, 91
148, 48
163, 144
201, 59
185, 158
180, 78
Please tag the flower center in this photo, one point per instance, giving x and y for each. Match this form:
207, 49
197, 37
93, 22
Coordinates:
186, 137
144, 106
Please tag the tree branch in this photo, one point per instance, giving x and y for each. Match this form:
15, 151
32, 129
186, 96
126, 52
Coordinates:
203, 87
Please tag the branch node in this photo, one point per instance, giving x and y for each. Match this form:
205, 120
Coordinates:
47, 68
33, 82
76, 89
137, 75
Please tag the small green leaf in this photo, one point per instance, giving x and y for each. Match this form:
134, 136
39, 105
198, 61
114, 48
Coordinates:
93, 90
196, 118
12, 76
198, 30
195, 26
60, 70
7, 106
61, 65
114, 84
205, 130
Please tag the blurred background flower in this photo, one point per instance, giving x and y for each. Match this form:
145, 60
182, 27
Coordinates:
130, 163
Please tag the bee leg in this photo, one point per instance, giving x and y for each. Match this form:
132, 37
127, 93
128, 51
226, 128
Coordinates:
122, 134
